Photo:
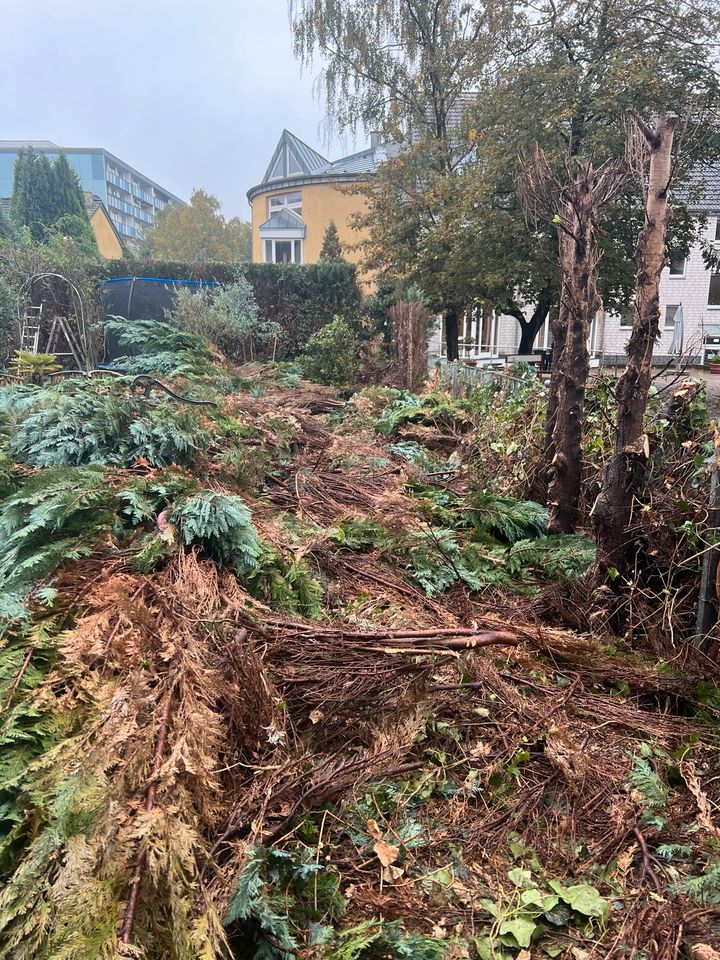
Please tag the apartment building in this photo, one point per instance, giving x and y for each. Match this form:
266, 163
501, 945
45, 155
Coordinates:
133, 200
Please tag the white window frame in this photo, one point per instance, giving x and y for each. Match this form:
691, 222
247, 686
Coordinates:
275, 207
629, 312
678, 276
712, 306
292, 240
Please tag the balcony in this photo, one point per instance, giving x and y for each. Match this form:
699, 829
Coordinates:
141, 194
119, 182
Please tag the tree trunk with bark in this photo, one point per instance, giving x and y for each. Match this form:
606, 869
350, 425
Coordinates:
451, 333
625, 473
574, 204
530, 327
579, 304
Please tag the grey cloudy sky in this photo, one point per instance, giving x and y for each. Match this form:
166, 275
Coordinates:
193, 93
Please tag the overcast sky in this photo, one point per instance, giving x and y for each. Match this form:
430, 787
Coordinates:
193, 93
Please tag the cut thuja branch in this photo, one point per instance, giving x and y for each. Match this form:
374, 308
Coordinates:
134, 891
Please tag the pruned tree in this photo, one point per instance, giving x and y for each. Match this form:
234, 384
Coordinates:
651, 150
575, 204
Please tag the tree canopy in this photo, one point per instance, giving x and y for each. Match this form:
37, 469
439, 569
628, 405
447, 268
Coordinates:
198, 232
469, 85
48, 198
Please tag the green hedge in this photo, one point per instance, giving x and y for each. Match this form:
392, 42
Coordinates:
302, 299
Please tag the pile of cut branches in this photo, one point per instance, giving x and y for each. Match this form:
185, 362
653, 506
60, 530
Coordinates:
293, 688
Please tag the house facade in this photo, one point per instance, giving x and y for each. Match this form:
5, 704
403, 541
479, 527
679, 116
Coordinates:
132, 200
685, 283
106, 233
301, 193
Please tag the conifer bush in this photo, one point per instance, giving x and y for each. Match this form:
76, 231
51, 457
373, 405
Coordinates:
331, 355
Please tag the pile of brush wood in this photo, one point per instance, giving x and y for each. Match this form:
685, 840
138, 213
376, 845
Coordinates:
301, 697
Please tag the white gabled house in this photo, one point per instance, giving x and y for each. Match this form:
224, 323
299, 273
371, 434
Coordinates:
686, 282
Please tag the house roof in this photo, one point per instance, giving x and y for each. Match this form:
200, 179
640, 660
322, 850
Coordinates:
294, 163
5, 206
284, 220
292, 157
702, 192
93, 203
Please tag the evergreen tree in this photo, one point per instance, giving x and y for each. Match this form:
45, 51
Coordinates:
32, 202
7, 231
67, 192
331, 251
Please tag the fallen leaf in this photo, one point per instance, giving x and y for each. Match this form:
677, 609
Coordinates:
374, 830
392, 874
387, 853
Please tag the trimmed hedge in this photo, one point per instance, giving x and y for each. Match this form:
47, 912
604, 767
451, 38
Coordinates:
301, 298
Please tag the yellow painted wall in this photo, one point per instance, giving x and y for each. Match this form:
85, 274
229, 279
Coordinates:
321, 203
107, 241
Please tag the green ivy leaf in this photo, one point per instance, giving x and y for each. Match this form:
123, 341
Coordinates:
521, 928
582, 898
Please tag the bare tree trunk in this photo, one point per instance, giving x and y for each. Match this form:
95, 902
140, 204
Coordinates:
625, 473
578, 306
558, 326
529, 328
451, 333
574, 205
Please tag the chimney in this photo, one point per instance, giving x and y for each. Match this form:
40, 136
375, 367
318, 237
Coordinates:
375, 138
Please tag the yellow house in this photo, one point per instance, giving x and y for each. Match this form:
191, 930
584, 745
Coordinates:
106, 235
300, 195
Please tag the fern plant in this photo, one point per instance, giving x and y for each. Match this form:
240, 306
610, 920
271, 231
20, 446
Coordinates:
280, 894
652, 790
54, 517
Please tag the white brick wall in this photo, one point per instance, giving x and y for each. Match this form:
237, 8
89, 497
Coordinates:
691, 291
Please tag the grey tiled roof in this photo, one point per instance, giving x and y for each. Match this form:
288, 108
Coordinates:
362, 162
702, 191
5, 206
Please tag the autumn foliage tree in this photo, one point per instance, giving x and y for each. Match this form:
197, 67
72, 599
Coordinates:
199, 232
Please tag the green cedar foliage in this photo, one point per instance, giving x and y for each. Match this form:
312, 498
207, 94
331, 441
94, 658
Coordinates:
221, 524
159, 348
79, 425
32, 203
67, 193
53, 517
48, 197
